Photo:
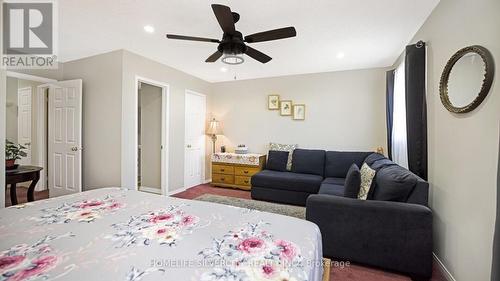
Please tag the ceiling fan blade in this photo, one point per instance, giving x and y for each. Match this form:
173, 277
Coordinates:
224, 17
274, 34
191, 38
263, 58
214, 57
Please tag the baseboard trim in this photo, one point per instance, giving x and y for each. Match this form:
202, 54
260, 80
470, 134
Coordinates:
443, 268
150, 190
207, 181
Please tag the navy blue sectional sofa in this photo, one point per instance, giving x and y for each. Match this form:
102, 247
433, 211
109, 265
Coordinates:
391, 230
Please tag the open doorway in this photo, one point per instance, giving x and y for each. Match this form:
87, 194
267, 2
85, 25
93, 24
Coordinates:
151, 137
45, 117
27, 125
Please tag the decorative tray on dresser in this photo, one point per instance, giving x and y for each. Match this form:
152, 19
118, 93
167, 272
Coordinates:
236, 170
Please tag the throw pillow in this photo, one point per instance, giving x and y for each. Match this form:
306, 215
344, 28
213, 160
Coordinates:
285, 147
352, 182
276, 160
367, 175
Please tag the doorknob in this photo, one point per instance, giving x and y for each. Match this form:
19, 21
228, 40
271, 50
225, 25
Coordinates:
188, 146
74, 148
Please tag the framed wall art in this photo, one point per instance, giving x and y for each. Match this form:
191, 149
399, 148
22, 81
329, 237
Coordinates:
285, 107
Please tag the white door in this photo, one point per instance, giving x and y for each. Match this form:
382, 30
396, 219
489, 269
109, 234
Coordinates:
65, 138
194, 162
24, 123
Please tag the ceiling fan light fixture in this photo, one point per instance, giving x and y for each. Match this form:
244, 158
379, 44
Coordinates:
233, 59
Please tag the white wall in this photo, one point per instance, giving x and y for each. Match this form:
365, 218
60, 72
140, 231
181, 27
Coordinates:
3, 94
135, 65
463, 148
11, 109
102, 89
344, 111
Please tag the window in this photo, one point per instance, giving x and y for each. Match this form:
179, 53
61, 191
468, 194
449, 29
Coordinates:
399, 143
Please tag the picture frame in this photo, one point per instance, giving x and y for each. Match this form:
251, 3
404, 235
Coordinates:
299, 112
273, 102
286, 108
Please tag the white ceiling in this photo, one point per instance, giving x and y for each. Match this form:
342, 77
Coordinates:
371, 33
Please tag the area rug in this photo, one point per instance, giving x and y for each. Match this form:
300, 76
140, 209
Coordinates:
287, 210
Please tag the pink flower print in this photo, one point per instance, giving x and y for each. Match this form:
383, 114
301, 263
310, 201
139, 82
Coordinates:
251, 245
38, 266
268, 270
160, 218
91, 204
286, 249
7, 262
114, 206
188, 220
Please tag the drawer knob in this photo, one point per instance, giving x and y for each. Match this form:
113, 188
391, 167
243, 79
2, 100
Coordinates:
246, 172
222, 170
246, 181
222, 179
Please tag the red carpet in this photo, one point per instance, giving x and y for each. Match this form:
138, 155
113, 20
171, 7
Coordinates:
349, 273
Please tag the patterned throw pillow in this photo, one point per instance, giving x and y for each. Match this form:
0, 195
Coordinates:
284, 147
367, 175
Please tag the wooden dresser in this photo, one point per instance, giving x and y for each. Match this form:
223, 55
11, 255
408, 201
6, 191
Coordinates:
236, 170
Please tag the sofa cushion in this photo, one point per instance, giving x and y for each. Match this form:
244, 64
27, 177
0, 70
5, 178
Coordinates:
352, 182
287, 181
338, 181
337, 163
331, 189
308, 161
382, 163
367, 180
284, 147
276, 160
394, 183
370, 159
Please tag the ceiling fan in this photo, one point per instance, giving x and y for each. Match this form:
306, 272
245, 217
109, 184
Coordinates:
233, 44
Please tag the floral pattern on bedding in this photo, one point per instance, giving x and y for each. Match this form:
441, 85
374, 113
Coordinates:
81, 211
165, 226
252, 253
29, 262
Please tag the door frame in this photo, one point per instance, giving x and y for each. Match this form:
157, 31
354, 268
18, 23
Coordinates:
203, 148
42, 134
165, 113
3, 77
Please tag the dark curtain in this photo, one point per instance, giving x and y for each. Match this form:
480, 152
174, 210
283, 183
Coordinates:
389, 85
495, 269
416, 109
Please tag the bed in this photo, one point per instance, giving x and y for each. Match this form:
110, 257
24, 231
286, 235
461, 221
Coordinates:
120, 234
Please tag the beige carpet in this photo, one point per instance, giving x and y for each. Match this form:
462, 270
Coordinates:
287, 210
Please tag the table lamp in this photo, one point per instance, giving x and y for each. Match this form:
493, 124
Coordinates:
214, 129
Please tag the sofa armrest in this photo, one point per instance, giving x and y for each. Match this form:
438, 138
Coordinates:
392, 235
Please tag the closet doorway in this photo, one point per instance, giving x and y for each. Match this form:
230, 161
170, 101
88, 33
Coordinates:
151, 137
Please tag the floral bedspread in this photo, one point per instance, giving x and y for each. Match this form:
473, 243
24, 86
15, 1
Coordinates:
119, 234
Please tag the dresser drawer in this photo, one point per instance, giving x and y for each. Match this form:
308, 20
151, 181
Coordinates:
220, 178
246, 171
241, 180
222, 169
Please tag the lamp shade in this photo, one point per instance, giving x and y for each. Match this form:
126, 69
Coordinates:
214, 128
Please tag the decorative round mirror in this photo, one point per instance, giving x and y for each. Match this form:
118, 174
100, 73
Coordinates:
466, 79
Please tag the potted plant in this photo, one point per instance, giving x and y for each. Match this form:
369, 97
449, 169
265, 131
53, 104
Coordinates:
13, 152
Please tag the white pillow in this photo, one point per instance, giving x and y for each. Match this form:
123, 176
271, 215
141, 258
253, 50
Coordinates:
367, 175
284, 147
